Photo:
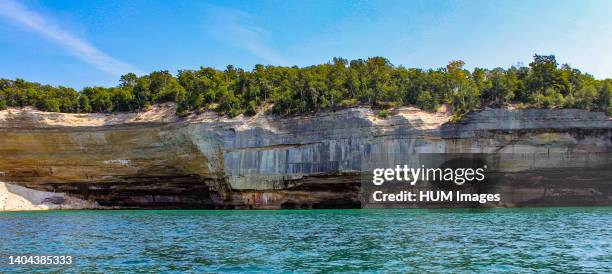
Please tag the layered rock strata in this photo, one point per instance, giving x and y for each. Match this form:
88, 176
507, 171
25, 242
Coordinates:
155, 160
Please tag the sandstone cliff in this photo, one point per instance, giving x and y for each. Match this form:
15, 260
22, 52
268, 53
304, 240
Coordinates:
155, 160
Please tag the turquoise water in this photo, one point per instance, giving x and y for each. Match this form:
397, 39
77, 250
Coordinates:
503, 240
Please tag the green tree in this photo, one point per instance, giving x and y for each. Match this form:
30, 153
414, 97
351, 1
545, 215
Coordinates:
142, 93
427, 101
52, 105
605, 97
84, 105
100, 99
585, 97
123, 99
129, 80
544, 74
501, 88
338, 83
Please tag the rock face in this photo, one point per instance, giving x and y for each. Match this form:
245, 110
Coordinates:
155, 160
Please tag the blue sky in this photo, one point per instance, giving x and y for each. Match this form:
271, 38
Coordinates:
85, 43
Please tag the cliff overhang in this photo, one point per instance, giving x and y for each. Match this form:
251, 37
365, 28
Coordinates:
153, 159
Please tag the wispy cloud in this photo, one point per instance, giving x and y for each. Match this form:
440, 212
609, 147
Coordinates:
238, 29
21, 15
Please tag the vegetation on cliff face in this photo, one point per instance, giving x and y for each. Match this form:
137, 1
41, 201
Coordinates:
339, 83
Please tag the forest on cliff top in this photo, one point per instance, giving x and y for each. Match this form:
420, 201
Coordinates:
337, 84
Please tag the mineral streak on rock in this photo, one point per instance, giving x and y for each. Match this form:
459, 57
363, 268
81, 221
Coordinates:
155, 160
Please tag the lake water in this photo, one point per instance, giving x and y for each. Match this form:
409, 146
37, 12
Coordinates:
405, 240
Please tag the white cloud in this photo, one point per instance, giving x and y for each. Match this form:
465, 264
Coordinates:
237, 29
21, 15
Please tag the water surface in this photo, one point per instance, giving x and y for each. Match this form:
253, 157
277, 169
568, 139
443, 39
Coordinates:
502, 240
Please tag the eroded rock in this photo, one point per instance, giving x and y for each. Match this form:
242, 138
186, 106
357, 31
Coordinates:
310, 161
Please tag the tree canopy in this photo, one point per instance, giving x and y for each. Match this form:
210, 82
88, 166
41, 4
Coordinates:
336, 84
